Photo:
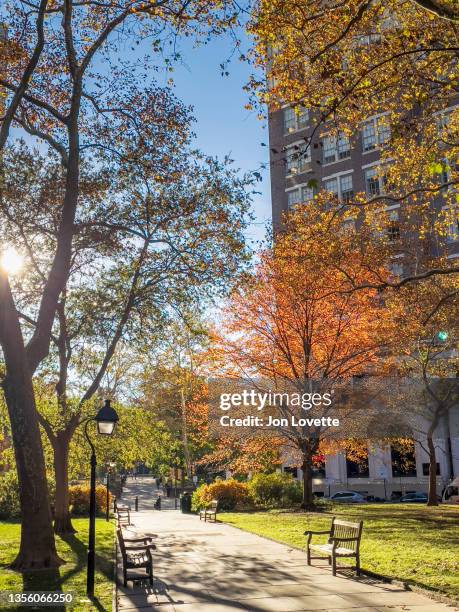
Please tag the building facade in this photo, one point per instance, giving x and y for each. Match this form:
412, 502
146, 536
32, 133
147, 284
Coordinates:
387, 472
303, 162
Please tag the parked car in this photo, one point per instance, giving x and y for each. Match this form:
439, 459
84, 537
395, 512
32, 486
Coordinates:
451, 492
414, 498
347, 497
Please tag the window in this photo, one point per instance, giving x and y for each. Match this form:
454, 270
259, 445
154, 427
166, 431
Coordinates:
393, 227
396, 269
447, 129
335, 148
366, 40
329, 150
425, 469
358, 468
403, 460
293, 197
375, 133
318, 467
374, 181
331, 185
302, 117
304, 157
293, 471
344, 146
295, 118
349, 225
452, 230
289, 119
298, 158
302, 194
347, 192
307, 193
340, 186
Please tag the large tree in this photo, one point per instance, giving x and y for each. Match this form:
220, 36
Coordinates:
297, 321
142, 244
83, 95
173, 384
424, 347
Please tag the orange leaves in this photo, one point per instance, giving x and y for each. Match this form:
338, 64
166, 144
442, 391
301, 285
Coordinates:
298, 316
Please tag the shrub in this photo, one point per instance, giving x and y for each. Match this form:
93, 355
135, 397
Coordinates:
229, 493
9, 495
79, 499
275, 490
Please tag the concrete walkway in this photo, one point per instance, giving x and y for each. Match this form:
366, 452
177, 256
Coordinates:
209, 567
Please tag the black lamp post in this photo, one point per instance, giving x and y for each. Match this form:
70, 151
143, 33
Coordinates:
106, 420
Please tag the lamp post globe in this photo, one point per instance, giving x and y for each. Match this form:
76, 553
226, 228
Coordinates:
106, 419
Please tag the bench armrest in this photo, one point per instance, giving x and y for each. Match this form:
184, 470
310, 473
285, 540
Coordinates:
317, 532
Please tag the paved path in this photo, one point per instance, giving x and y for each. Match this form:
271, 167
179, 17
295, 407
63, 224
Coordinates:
209, 567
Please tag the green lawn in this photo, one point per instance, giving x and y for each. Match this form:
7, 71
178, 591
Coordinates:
414, 543
70, 577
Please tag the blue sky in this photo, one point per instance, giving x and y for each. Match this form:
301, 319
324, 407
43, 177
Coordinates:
223, 125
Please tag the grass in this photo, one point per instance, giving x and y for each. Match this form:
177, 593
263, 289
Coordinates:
70, 577
416, 544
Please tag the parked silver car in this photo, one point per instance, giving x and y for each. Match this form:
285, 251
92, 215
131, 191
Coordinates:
347, 497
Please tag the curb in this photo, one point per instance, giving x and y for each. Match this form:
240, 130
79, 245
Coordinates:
115, 572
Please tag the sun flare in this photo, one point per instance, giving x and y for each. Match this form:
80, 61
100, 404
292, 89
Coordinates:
10, 261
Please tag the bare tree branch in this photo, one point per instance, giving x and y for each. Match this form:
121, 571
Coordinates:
26, 76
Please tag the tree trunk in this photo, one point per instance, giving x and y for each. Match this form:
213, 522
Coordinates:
306, 466
432, 497
37, 547
186, 449
62, 521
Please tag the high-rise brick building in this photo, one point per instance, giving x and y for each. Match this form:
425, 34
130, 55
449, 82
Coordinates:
304, 160
345, 166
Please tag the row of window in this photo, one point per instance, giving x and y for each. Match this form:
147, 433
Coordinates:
334, 148
375, 133
341, 186
403, 463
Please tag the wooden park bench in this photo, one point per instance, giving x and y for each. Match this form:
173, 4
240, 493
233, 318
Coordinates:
123, 514
210, 512
343, 541
136, 555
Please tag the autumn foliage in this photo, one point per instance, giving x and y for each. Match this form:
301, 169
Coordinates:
394, 62
79, 499
229, 493
298, 318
